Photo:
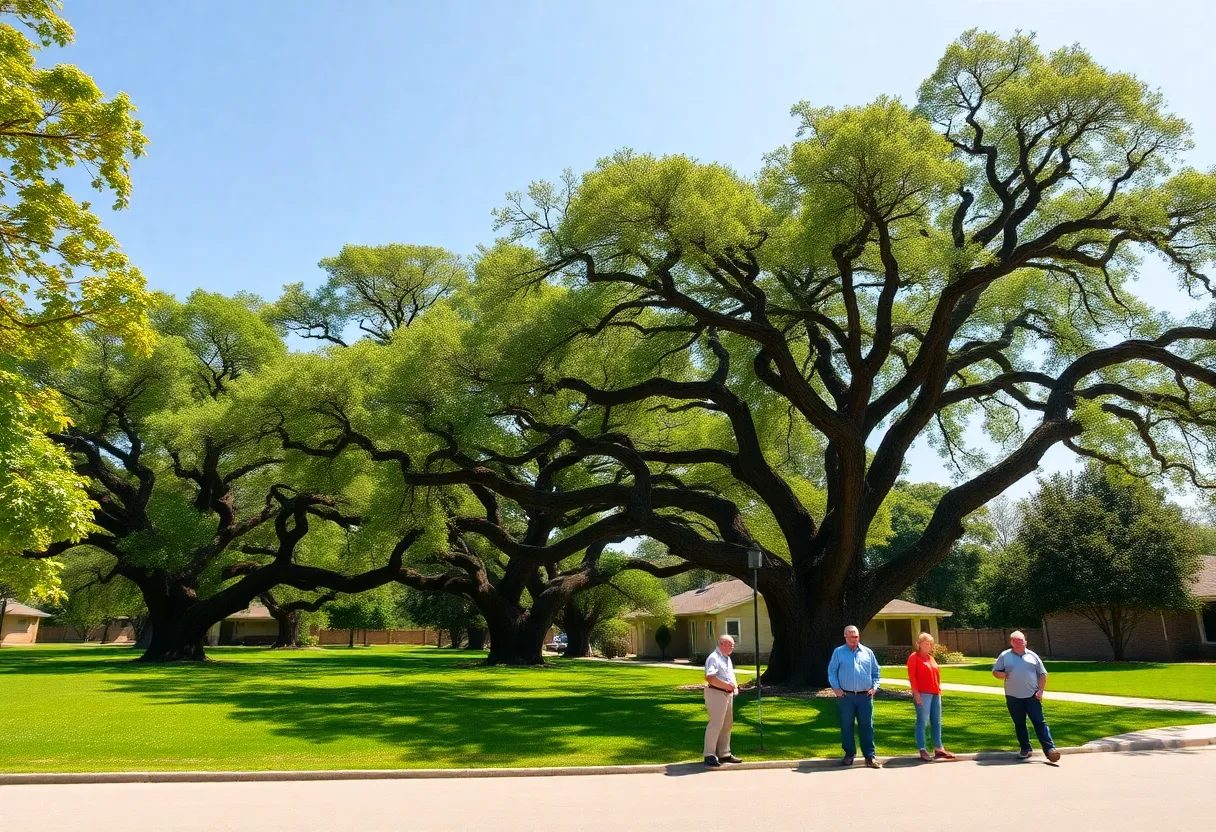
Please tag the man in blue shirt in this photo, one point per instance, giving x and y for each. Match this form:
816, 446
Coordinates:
853, 673
1025, 680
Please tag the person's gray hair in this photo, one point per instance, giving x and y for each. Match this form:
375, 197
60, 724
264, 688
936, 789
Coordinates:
726, 637
1017, 634
852, 627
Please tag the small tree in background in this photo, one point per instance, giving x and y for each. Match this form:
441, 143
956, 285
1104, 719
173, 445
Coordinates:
662, 637
1108, 548
368, 611
611, 638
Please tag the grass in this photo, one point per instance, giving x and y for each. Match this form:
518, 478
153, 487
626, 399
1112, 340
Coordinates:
1181, 682
91, 709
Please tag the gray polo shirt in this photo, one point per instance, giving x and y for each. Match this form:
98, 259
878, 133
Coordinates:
1021, 673
720, 667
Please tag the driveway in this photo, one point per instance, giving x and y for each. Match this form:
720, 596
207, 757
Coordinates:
1112, 791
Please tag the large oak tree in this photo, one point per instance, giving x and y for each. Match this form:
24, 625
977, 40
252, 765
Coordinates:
893, 276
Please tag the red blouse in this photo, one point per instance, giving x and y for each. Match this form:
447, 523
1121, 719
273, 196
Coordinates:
924, 674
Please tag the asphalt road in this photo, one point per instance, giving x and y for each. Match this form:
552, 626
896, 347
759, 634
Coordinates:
1165, 790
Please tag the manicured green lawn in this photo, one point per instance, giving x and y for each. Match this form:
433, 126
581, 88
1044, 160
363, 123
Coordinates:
1183, 682
92, 709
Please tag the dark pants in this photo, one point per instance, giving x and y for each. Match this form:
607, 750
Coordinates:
859, 708
1019, 709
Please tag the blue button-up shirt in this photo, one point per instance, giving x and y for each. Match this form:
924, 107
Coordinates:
853, 669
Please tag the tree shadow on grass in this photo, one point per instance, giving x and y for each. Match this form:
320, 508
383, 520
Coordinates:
429, 709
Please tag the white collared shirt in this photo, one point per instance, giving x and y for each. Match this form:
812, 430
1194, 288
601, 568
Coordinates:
720, 667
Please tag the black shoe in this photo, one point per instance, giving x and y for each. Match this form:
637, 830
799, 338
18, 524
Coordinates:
712, 762
729, 758
1025, 753
872, 763
847, 761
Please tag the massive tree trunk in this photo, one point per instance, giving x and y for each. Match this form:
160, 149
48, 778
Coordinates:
173, 635
289, 627
477, 638
517, 636
578, 627
514, 640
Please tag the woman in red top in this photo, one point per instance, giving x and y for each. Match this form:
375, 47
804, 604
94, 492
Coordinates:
926, 682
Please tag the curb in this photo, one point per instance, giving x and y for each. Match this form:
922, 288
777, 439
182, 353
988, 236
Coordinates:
673, 769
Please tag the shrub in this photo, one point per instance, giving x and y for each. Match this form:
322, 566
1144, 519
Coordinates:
945, 655
662, 637
310, 640
611, 638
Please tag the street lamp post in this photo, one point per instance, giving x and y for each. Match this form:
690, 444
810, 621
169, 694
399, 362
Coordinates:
755, 560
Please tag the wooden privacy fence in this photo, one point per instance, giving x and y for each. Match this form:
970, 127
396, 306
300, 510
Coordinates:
989, 641
59, 634
436, 637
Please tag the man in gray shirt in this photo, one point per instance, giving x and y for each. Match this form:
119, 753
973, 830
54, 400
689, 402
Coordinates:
720, 690
1025, 680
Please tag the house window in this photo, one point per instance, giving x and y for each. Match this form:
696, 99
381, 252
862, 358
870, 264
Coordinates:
20, 623
709, 631
1207, 620
732, 627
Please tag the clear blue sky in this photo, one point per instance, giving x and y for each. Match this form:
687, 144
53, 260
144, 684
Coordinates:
282, 130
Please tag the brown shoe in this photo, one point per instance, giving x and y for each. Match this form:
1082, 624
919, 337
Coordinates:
924, 755
1052, 755
942, 754
872, 763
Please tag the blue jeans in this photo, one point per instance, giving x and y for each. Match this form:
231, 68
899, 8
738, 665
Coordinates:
1019, 709
929, 710
859, 708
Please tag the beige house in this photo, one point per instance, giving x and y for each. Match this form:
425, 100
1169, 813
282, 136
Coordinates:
726, 607
252, 626
20, 623
1169, 636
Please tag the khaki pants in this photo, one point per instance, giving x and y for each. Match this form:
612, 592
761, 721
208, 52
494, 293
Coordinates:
721, 707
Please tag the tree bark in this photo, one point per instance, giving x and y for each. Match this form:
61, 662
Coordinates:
289, 628
477, 638
173, 635
578, 627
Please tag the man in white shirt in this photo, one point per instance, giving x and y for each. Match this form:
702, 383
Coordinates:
720, 690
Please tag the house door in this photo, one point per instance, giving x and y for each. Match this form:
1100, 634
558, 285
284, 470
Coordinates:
225, 632
899, 632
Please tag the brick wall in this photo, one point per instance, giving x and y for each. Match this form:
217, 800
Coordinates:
1157, 637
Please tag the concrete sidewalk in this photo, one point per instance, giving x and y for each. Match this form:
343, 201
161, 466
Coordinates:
1107, 792
1208, 708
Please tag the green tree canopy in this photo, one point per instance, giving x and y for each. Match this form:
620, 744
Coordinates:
898, 273
59, 269
1109, 548
195, 503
